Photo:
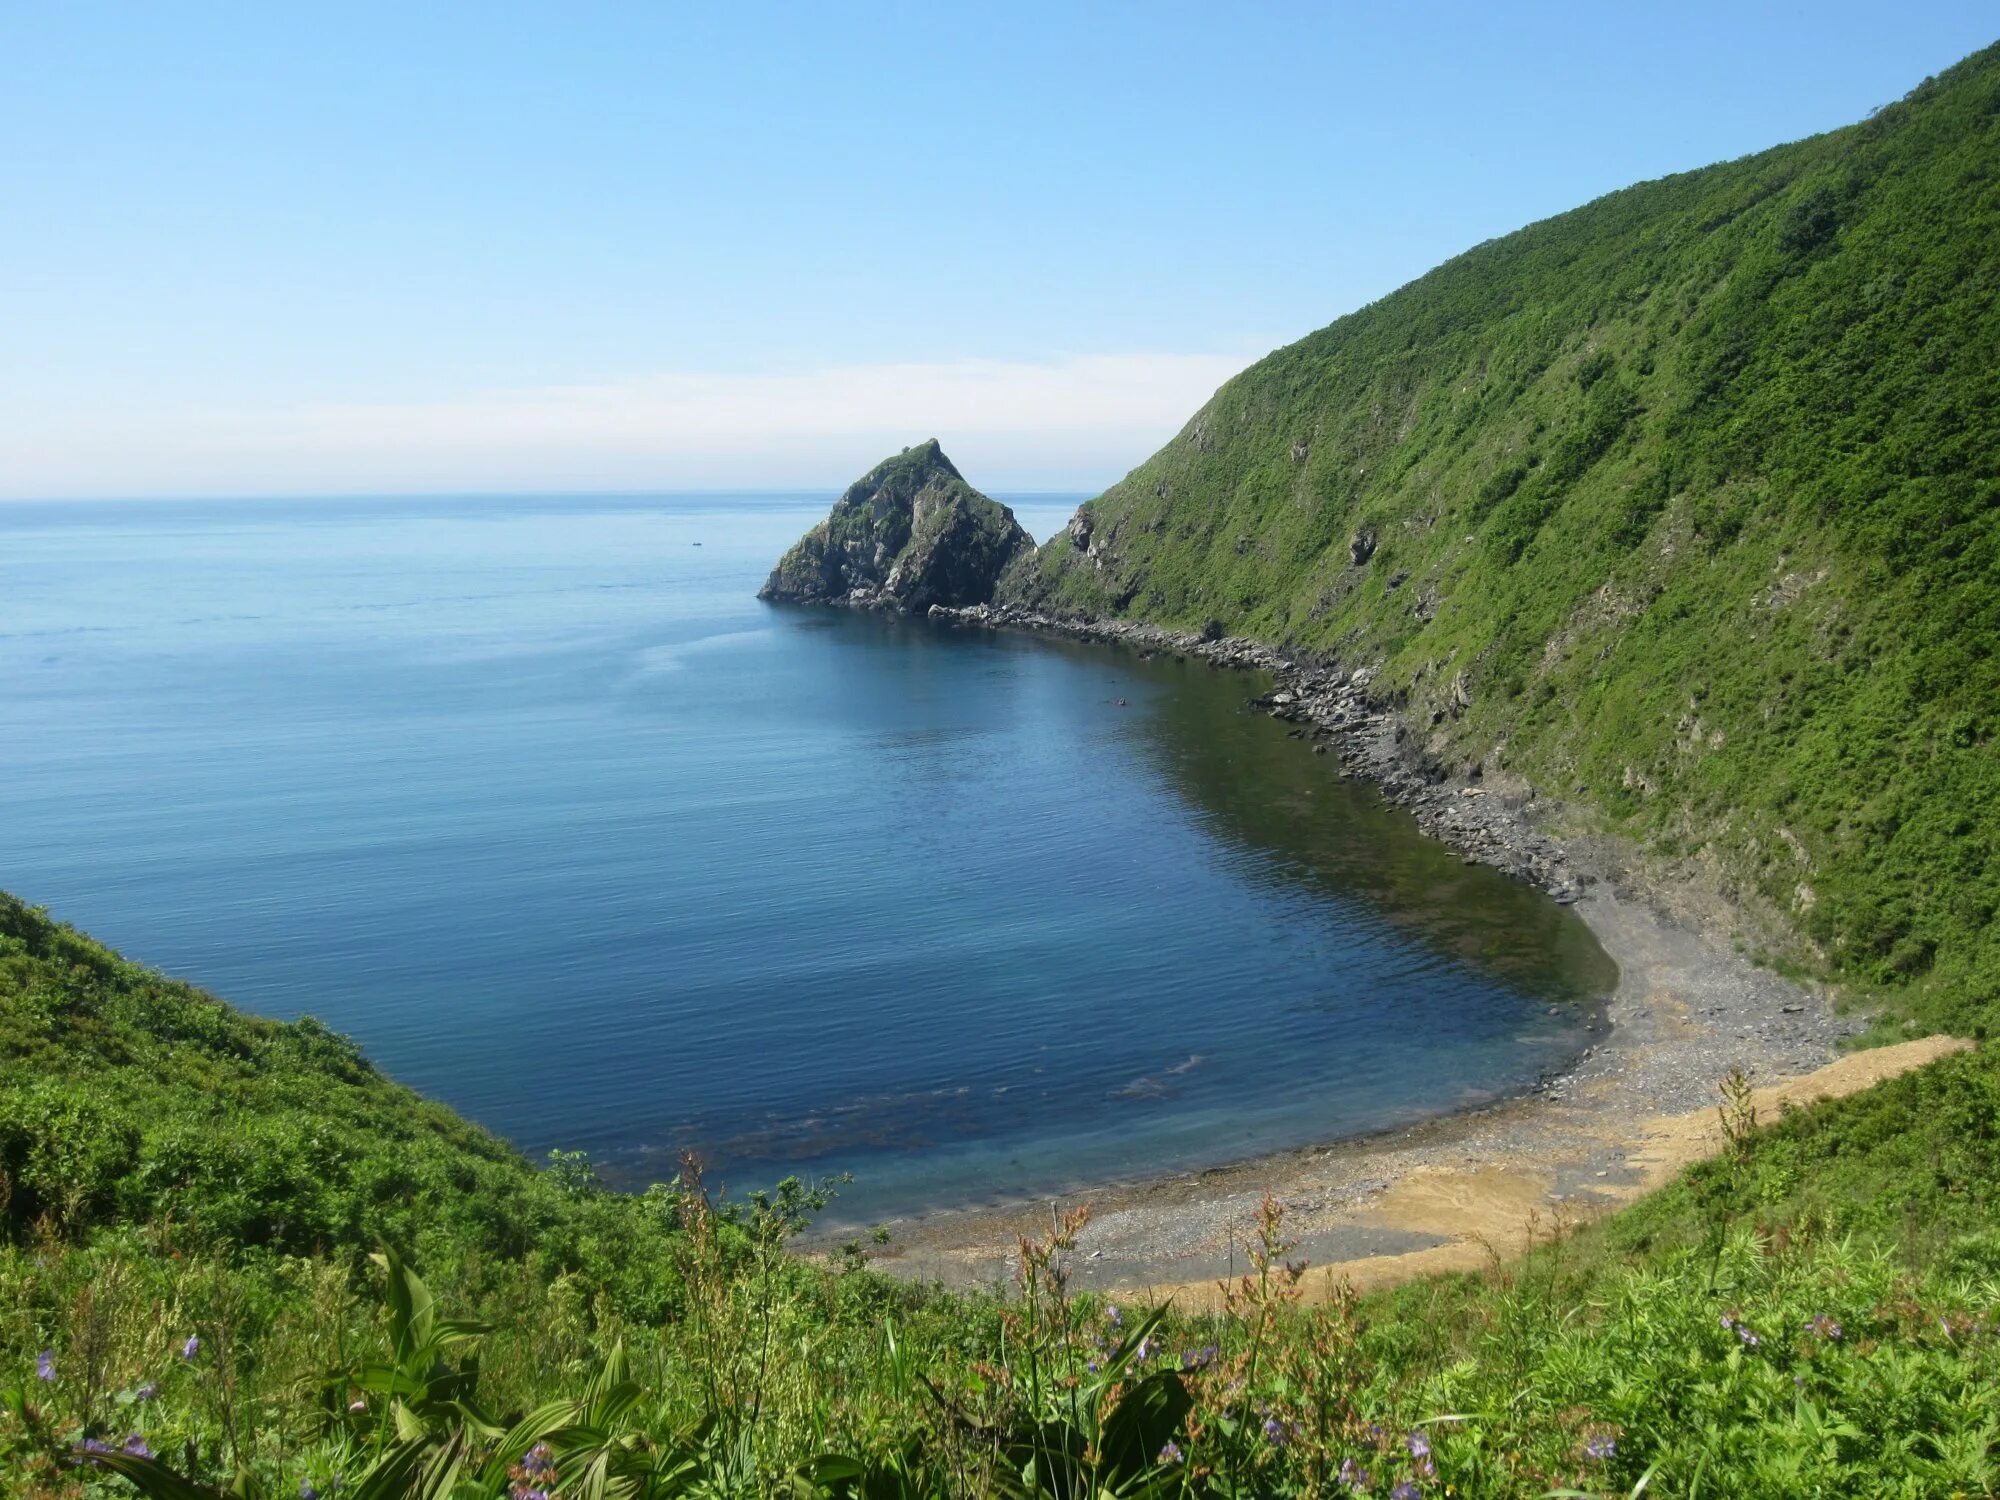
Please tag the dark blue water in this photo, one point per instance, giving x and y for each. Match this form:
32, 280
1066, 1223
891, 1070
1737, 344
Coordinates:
537, 801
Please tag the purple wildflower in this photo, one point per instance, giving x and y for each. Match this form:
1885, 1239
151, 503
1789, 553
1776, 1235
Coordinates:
1199, 1359
93, 1445
1147, 1348
1112, 1315
1419, 1445
307, 1491
1277, 1433
192, 1347
1600, 1448
45, 1365
1171, 1454
150, 1391
136, 1446
1407, 1490
1353, 1475
1825, 1327
1731, 1324
534, 1475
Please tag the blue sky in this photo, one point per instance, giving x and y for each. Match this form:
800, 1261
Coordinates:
276, 249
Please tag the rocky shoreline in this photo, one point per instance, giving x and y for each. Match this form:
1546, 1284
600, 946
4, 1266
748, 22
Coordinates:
1370, 738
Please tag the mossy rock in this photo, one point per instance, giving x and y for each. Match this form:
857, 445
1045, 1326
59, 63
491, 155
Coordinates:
908, 534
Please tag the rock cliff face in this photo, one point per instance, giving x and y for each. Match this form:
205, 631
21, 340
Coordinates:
908, 534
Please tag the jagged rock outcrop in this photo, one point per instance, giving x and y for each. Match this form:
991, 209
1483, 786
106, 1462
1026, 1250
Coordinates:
908, 534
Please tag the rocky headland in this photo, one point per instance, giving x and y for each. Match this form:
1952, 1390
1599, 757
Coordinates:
908, 536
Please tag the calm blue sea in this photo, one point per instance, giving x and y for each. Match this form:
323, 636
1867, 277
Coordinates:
538, 802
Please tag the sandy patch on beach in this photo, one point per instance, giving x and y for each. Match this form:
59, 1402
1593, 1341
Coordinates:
1670, 1142
1490, 1213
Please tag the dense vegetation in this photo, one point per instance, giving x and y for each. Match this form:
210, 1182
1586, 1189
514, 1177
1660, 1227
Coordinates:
1686, 500
128, 1098
1685, 506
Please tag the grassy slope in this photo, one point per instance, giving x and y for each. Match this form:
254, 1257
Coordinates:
1693, 493
130, 1098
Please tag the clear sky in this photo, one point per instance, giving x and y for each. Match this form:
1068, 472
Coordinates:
279, 249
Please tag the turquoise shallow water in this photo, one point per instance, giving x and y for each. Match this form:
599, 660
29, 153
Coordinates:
537, 801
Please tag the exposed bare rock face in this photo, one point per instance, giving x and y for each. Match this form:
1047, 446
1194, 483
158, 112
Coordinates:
908, 534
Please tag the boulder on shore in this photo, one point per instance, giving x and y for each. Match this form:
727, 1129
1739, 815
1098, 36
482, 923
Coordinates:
909, 534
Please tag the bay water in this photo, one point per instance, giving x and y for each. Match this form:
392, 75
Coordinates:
533, 798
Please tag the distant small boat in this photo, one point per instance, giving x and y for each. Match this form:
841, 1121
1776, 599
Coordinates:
697, 544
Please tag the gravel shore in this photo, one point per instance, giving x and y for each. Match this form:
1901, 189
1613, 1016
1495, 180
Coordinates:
1454, 1191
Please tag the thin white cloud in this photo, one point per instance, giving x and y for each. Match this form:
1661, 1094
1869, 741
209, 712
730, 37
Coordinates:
1076, 422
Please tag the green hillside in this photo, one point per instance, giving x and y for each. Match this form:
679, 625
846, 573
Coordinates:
1684, 505
130, 1098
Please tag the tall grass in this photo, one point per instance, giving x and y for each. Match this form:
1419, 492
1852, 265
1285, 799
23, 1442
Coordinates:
1763, 1365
